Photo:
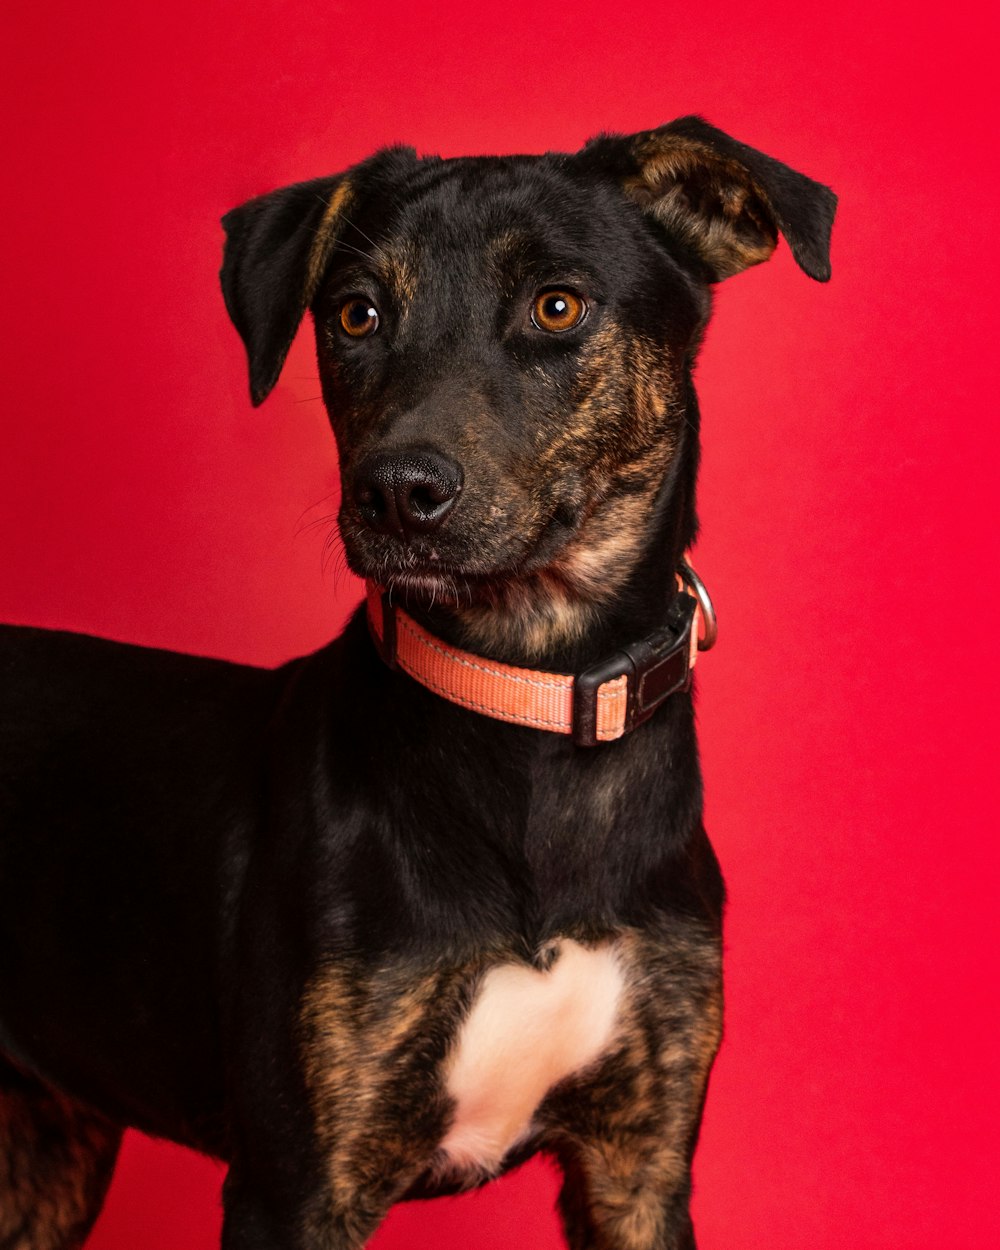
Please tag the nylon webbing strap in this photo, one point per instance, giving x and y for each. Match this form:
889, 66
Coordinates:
521, 696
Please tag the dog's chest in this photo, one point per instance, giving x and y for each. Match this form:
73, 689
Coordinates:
527, 1031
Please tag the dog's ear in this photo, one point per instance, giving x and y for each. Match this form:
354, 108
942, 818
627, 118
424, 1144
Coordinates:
722, 201
277, 247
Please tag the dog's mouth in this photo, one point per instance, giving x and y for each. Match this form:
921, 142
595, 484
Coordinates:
422, 575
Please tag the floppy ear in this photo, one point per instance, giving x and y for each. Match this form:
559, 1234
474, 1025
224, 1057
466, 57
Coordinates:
724, 202
277, 247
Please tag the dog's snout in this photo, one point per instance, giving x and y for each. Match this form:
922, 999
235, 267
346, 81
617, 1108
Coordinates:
407, 493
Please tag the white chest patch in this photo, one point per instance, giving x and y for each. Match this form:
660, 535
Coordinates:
527, 1031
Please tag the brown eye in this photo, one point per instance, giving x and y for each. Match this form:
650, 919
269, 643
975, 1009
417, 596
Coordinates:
558, 310
358, 317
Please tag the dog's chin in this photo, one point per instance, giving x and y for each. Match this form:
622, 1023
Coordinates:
427, 584
437, 587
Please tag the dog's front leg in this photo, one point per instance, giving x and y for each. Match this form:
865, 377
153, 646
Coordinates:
343, 1114
257, 1219
320, 1194
297, 1188
626, 1136
626, 1195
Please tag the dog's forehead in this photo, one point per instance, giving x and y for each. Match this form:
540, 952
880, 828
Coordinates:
495, 211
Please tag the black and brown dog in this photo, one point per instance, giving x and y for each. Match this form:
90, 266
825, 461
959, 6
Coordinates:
357, 940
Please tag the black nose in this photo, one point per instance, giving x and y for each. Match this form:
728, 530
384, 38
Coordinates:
406, 493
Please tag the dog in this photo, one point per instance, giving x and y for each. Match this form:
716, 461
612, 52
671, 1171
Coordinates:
386, 921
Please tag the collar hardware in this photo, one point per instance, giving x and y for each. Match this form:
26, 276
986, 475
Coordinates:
655, 667
695, 586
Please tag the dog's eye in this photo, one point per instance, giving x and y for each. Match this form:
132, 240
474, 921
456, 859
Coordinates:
558, 310
358, 317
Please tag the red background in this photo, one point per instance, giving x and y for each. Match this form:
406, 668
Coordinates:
849, 433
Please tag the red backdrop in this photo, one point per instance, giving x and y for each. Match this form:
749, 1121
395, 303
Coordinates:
847, 530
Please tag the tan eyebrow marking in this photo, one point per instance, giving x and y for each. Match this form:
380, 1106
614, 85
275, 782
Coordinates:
326, 233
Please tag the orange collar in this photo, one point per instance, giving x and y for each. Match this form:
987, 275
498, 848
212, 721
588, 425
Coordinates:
598, 705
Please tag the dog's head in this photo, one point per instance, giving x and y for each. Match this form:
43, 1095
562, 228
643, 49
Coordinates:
505, 346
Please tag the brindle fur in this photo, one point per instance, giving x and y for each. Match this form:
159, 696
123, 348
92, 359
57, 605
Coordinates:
250, 911
56, 1160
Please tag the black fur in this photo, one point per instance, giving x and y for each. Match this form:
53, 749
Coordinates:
221, 887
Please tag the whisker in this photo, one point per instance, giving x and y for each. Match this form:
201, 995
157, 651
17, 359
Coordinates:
379, 250
301, 524
339, 245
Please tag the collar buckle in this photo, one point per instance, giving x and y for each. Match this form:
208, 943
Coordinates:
656, 667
